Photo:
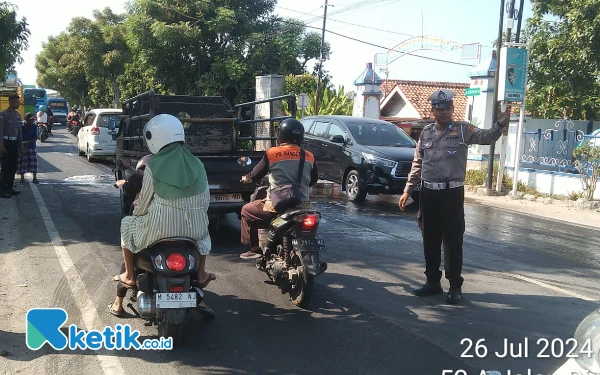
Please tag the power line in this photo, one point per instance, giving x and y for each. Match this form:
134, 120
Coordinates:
376, 45
349, 23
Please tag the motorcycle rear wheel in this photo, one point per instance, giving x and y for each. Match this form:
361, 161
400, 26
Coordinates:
301, 295
166, 330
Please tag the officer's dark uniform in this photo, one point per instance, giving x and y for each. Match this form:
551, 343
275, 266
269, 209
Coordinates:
440, 164
12, 138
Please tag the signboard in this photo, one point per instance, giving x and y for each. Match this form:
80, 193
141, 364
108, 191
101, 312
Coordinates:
472, 91
303, 101
513, 71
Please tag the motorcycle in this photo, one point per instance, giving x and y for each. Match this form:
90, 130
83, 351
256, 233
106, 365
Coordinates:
43, 132
165, 272
291, 249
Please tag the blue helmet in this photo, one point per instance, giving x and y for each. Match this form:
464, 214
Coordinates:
42, 108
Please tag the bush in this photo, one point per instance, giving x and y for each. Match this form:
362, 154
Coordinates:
478, 177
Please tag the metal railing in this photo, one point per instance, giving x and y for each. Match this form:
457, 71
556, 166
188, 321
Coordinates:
552, 149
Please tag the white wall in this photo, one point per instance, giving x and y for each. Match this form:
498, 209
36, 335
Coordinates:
552, 183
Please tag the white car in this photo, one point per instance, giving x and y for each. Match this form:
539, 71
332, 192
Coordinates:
94, 137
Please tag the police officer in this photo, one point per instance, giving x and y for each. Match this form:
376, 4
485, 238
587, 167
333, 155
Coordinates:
440, 164
11, 146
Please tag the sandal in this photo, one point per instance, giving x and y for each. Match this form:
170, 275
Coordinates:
117, 313
211, 277
126, 285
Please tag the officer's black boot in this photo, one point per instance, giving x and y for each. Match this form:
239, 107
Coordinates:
429, 289
454, 295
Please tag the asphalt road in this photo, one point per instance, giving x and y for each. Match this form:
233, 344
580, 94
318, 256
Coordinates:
525, 278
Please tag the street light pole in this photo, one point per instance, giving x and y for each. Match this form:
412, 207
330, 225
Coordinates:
490, 172
320, 60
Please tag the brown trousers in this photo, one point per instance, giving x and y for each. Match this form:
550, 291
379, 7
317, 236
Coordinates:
254, 217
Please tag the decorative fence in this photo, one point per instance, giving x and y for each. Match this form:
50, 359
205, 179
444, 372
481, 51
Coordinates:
552, 149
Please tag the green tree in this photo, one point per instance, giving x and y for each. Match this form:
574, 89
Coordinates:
564, 63
14, 36
588, 162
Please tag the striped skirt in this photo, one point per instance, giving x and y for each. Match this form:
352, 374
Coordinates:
28, 162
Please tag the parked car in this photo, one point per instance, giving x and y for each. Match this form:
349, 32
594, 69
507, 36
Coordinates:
363, 155
94, 137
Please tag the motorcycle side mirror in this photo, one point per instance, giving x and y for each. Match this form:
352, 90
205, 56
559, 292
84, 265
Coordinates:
244, 161
123, 162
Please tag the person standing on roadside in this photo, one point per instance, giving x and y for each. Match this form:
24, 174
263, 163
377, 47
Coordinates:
11, 140
28, 158
440, 165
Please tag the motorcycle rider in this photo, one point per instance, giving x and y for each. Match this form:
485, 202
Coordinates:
173, 201
73, 115
131, 188
281, 163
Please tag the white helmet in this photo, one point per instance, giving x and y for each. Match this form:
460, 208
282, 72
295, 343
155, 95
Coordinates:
162, 130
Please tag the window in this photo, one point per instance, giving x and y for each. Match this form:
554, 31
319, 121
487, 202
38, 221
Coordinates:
307, 124
319, 129
336, 130
110, 121
89, 119
379, 134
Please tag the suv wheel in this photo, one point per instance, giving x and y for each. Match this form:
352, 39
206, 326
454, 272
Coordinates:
356, 189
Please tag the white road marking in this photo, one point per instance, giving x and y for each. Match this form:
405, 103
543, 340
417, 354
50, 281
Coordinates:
110, 364
548, 286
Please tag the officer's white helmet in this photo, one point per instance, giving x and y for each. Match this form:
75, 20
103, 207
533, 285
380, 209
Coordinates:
162, 130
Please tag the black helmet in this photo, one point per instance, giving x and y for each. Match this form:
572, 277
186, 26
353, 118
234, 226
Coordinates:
291, 131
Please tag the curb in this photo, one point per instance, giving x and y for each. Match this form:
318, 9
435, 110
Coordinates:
581, 203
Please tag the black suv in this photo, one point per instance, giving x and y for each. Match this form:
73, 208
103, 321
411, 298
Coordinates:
363, 155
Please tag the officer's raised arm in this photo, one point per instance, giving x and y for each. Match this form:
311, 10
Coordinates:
475, 135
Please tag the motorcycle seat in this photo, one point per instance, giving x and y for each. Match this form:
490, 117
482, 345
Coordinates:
171, 241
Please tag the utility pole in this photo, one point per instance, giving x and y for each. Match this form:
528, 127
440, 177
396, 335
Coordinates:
519, 133
320, 60
490, 172
509, 26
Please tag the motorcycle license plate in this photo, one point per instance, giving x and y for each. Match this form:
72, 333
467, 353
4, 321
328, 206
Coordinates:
175, 300
218, 198
308, 244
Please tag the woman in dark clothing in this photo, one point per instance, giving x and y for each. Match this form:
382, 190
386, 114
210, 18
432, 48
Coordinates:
28, 158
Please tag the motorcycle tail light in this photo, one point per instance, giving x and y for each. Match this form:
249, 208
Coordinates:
176, 262
176, 289
309, 222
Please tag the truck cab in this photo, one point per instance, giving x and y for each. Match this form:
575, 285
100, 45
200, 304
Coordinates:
60, 109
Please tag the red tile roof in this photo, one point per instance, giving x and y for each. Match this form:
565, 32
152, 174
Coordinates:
418, 92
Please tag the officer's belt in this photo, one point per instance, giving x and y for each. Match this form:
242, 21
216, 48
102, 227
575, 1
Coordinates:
10, 138
442, 185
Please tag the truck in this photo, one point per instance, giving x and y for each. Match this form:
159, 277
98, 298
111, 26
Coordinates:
216, 132
6, 92
60, 109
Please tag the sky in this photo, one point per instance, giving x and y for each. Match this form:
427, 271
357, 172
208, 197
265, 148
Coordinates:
463, 22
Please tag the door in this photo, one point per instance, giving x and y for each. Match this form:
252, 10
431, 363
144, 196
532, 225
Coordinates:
105, 121
315, 143
336, 159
